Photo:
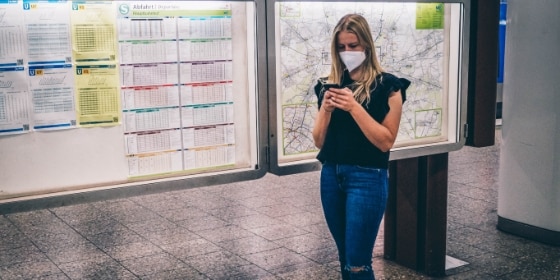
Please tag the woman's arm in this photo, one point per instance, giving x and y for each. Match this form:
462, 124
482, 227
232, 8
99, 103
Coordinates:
322, 120
382, 135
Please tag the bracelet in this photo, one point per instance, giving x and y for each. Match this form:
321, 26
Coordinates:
328, 110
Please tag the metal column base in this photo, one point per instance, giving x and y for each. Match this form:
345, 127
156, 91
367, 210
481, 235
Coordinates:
416, 214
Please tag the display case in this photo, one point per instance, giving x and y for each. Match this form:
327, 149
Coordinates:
104, 94
421, 41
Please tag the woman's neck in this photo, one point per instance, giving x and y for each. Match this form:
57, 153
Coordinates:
355, 74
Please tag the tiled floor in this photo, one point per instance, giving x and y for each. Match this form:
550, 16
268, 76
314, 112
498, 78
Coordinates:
271, 228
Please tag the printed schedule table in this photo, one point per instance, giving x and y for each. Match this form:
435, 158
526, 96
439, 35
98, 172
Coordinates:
176, 77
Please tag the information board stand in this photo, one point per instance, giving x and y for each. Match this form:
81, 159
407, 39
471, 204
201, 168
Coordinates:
416, 215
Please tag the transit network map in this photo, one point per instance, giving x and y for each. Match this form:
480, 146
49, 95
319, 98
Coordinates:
406, 46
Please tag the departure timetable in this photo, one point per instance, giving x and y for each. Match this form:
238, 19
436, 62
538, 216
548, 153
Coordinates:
15, 108
12, 40
47, 25
176, 84
51, 87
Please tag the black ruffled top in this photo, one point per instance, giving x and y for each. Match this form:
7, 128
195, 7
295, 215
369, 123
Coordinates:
345, 143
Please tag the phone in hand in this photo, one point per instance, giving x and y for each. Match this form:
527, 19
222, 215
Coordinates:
328, 86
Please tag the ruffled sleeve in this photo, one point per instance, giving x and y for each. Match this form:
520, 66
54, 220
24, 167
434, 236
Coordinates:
317, 89
387, 83
396, 84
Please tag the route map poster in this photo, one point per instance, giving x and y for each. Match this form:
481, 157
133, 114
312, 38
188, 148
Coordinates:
418, 52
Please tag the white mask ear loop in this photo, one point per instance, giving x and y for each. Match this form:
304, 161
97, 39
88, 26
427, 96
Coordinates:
352, 59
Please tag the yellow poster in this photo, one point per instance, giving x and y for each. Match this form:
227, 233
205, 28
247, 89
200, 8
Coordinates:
97, 89
94, 31
429, 15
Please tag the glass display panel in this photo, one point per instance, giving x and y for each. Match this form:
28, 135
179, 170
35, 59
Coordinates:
105, 93
184, 106
417, 41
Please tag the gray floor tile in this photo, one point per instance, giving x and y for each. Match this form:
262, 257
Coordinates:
248, 245
97, 226
277, 258
49, 242
98, 268
496, 265
160, 202
279, 210
242, 272
181, 214
324, 256
77, 252
189, 248
226, 233
152, 264
177, 274
29, 254
278, 231
78, 213
170, 236
304, 243
152, 225
312, 272
217, 263
231, 212
27, 270
115, 238
254, 221
14, 240
203, 224
304, 219
132, 250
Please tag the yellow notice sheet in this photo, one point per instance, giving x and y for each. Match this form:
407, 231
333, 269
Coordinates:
93, 31
97, 87
429, 15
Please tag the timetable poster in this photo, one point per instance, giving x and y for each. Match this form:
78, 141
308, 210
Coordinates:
97, 93
15, 115
176, 85
14, 101
47, 24
49, 58
51, 88
12, 44
93, 31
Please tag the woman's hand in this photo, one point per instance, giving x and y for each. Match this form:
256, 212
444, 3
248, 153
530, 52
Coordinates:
327, 104
341, 98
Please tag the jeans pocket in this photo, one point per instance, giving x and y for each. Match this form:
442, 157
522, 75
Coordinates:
369, 168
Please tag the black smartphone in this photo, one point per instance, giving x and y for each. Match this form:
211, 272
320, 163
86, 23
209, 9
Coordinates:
328, 86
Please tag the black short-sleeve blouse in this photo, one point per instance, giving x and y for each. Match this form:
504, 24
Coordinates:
345, 143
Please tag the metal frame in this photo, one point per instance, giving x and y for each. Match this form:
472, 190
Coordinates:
400, 153
178, 181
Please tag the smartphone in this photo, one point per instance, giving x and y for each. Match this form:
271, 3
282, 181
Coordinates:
328, 86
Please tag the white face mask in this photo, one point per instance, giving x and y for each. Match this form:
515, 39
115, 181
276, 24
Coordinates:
352, 59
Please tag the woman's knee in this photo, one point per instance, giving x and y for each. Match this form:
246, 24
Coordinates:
364, 272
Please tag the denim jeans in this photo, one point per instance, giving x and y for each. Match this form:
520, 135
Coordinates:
354, 199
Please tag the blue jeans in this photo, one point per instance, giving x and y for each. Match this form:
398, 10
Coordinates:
354, 199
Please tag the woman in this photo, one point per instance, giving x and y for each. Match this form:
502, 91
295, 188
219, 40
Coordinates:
355, 128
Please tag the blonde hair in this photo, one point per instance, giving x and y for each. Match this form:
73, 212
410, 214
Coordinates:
370, 68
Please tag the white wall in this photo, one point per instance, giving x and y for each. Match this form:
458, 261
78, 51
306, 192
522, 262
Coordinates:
529, 184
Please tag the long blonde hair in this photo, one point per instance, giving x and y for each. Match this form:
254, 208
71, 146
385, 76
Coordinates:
370, 68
